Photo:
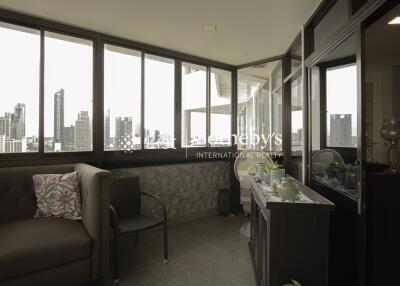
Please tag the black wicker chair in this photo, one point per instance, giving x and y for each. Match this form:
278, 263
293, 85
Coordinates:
126, 217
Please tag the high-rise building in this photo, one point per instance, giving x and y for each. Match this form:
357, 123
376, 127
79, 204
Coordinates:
123, 129
59, 116
2, 125
69, 138
83, 137
8, 145
340, 130
137, 129
157, 136
18, 122
7, 124
107, 138
2, 142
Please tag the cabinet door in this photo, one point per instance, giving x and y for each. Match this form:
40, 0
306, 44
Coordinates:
263, 250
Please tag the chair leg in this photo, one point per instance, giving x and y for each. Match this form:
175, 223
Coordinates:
115, 256
165, 242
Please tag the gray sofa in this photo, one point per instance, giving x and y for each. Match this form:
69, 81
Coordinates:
53, 251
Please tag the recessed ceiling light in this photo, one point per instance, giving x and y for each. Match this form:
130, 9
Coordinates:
395, 21
208, 28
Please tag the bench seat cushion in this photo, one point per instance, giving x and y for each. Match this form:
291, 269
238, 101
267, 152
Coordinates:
34, 244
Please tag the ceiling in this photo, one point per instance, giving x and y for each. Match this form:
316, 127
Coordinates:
247, 30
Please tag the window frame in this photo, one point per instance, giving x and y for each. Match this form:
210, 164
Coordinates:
98, 155
346, 151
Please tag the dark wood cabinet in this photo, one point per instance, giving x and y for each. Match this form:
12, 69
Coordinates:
289, 240
383, 235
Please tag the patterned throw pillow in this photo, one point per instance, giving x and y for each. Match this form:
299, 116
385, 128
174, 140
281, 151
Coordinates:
58, 195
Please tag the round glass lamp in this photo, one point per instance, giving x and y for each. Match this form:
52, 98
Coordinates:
391, 132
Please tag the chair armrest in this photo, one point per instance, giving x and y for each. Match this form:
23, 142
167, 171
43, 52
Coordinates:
95, 187
114, 218
159, 202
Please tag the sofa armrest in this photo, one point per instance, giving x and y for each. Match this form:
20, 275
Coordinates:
95, 193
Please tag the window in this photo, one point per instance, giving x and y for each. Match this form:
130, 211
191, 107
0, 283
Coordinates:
68, 93
254, 106
277, 108
159, 102
297, 116
19, 89
194, 101
220, 118
341, 106
122, 98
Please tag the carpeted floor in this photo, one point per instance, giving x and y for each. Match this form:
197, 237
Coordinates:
205, 252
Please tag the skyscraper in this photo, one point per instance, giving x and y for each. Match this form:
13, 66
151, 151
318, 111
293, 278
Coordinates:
340, 130
107, 139
18, 122
123, 128
69, 138
59, 116
83, 138
2, 125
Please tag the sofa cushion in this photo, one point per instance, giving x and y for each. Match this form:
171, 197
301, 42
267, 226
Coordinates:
58, 195
35, 244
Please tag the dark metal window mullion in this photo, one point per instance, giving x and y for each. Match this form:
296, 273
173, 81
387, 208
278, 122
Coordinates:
178, 105
41, 95
142, 101
208, 106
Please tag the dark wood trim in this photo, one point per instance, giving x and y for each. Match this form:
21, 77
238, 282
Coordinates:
259, 62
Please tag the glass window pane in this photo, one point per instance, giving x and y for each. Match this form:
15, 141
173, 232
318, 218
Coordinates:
220, 119
341, 104
68, 93
19, 89
297, 116
159, 102
277, 108
122, 98
254, 105
194, 98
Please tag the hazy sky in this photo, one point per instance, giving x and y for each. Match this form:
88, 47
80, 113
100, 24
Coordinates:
341, 96
69, 65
